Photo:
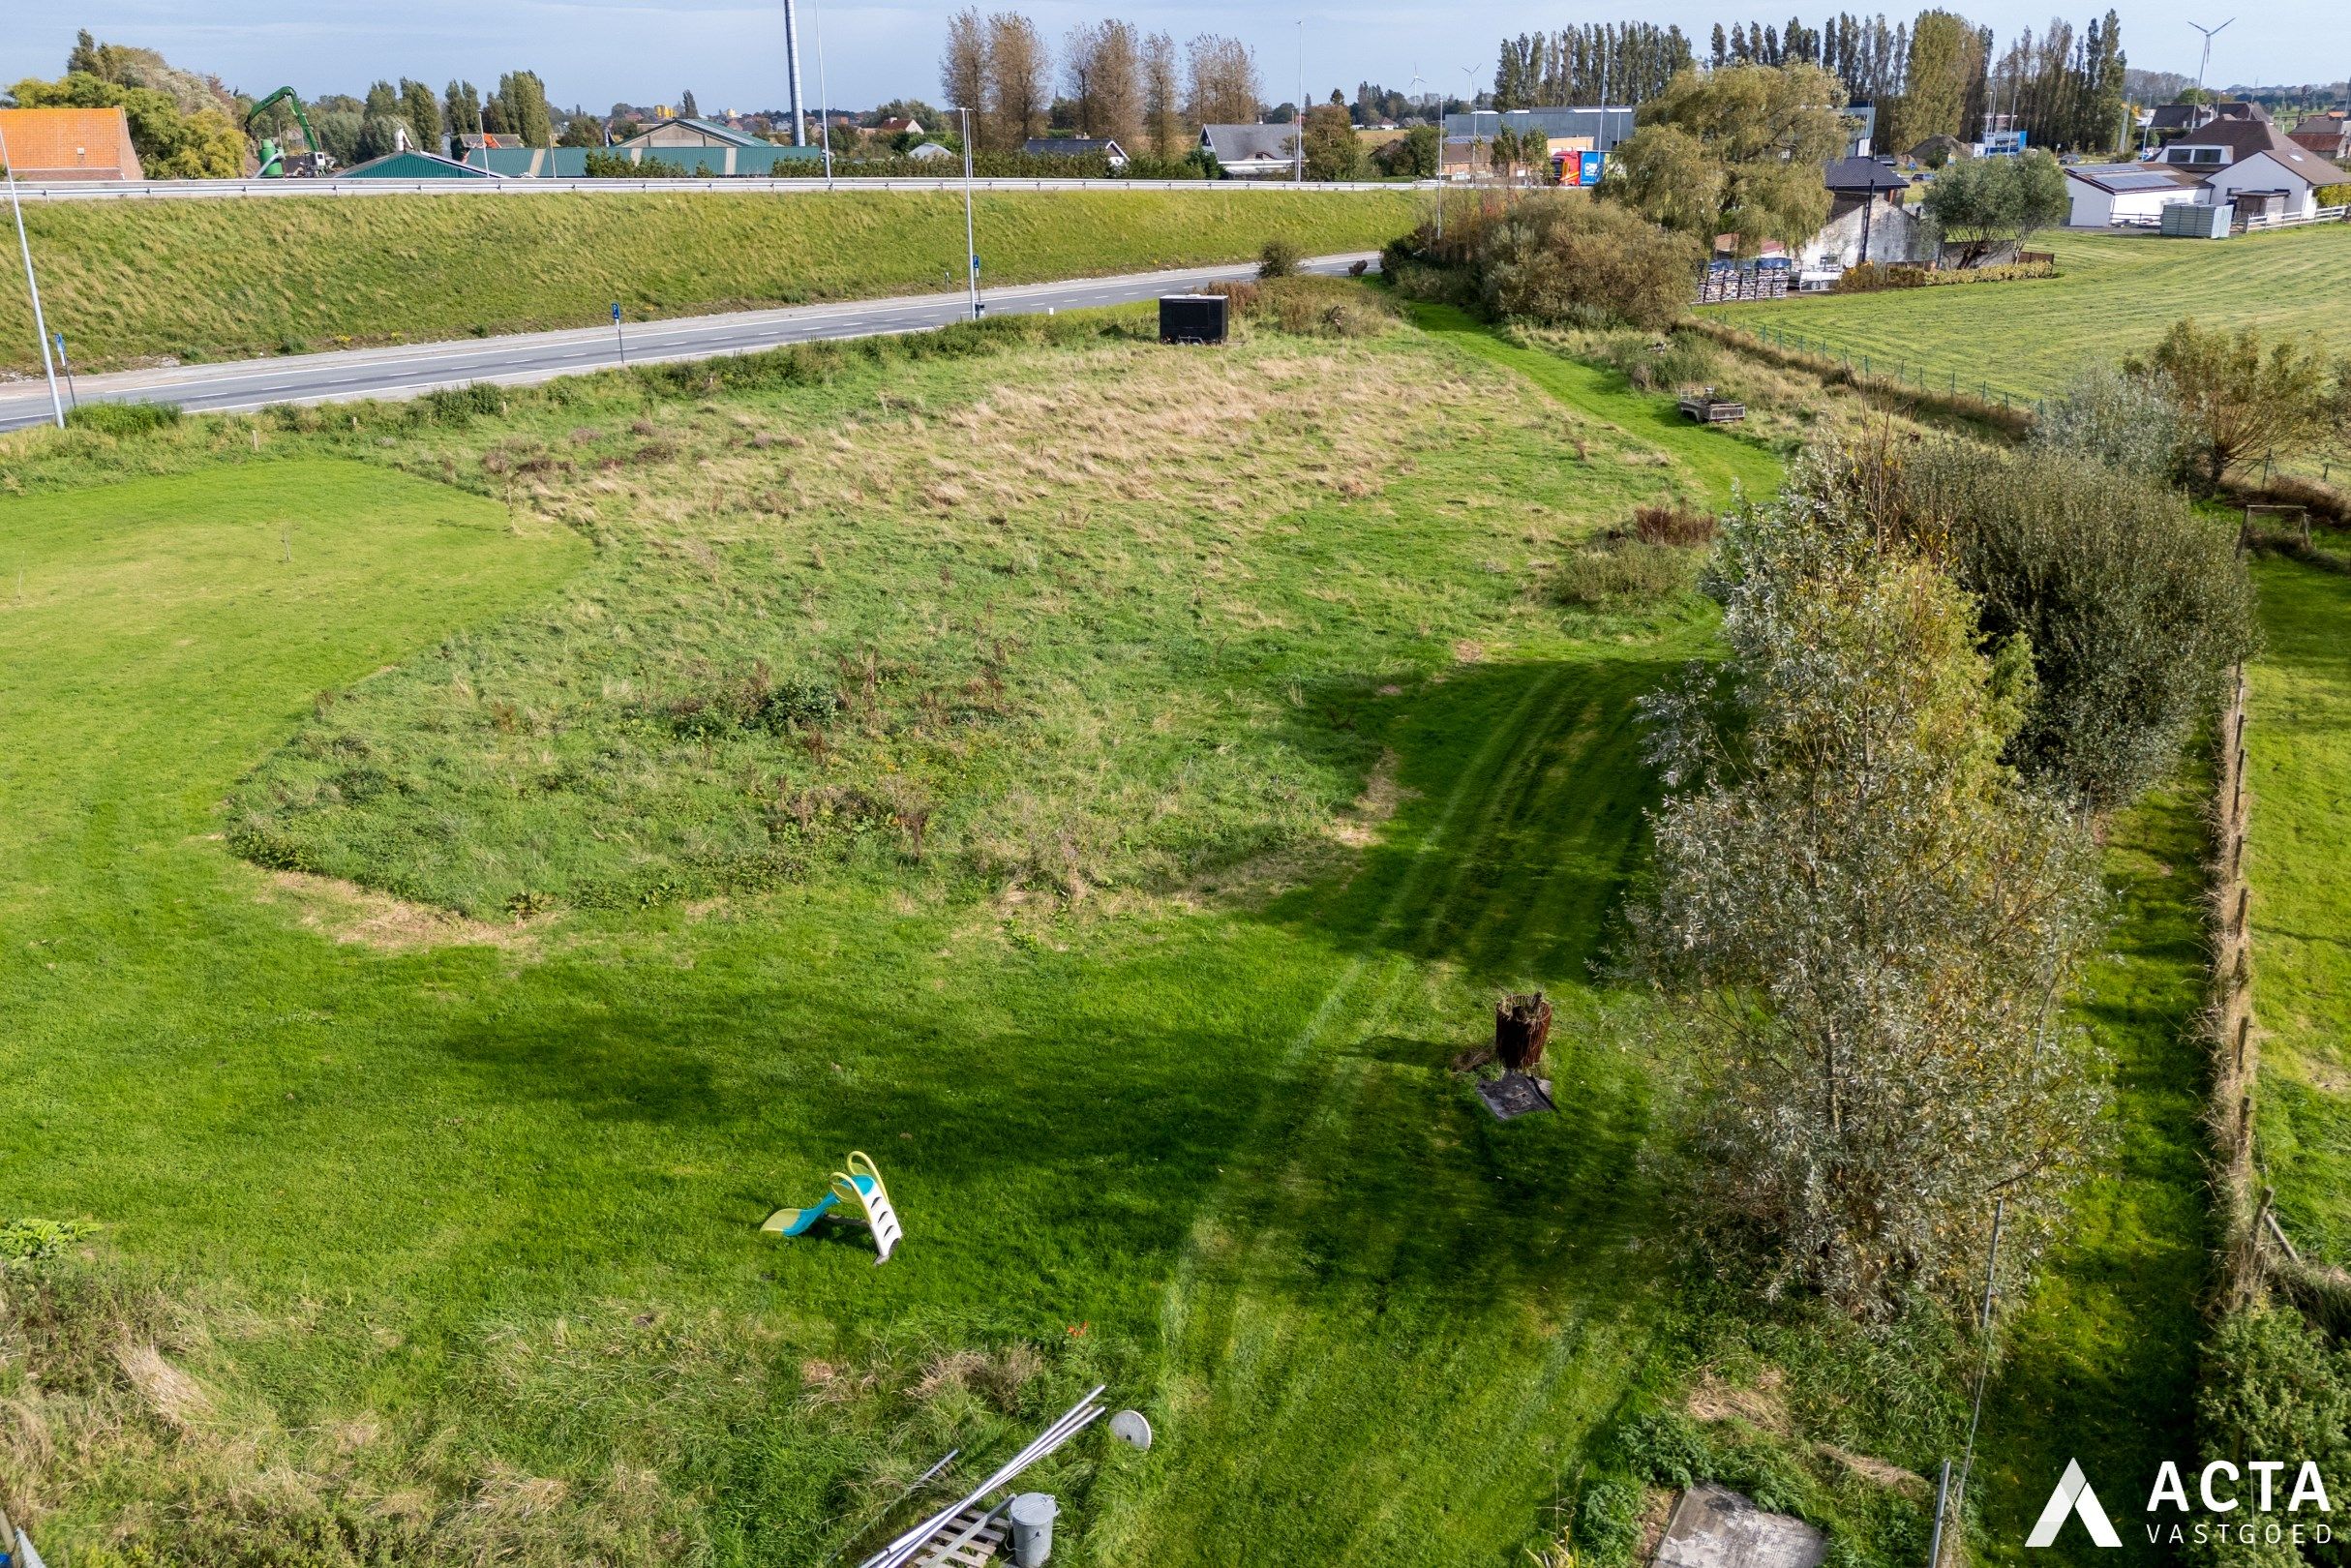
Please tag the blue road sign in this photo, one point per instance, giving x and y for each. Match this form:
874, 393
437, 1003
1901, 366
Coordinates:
615, 312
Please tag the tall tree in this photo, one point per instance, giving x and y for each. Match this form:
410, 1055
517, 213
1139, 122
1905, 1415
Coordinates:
1103, 66
521, 102
1164, 98
461, 107
1020, 81
1942, 75
1224, 86
1738, 150
963, 69
422, 110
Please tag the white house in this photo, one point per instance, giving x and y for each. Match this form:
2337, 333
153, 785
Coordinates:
2110, 194
2253, 165
1253, 152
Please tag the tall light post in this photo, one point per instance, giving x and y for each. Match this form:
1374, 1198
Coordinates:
824, 107
1469, 99
32, 286
970, 253
1437, 119
1298, 163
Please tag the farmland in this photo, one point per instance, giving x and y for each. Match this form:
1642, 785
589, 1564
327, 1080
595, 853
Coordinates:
136, 281
2300, 776
2115, 295
427, 978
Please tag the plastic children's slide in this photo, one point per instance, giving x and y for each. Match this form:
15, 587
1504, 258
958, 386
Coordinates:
858, 1188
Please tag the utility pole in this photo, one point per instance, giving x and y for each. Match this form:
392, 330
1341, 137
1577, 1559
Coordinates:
32, 286
791, 49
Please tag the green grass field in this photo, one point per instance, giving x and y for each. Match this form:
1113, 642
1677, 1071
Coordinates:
2300, 776
2115, 297
133, 281
1195, 791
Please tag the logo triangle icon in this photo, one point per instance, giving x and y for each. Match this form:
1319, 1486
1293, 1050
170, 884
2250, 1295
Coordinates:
2074, 1496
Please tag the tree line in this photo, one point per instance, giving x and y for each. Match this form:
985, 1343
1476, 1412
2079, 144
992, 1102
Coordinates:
1114, 80
1936, 74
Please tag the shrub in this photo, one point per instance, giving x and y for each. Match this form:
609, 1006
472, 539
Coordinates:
124, 418
753, 700
1624, 574
1860, 912
1280, 259
1560, 259
2125, 423
2132, 605
2270, 1387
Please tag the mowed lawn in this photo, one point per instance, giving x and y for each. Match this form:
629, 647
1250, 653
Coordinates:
453, 1217
490, 1194
2114, 296
131, 282
2298, 743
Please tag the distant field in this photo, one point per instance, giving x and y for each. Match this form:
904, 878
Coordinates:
134, 281
2299, 774
2115, 295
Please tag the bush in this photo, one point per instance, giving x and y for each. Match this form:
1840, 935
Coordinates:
124, 418
1280, 259
612, 166
753, 700
1620, 573
2132, 605
1561, 259
2120, 422
1870, 276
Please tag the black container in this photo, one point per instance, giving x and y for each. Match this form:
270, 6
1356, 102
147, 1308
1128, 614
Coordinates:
1193, 317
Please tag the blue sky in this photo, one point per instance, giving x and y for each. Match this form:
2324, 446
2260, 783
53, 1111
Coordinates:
597, 51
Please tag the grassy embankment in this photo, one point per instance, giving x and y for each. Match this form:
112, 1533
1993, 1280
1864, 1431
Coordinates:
2298, 741
1131, 926
131, 282
2116, 296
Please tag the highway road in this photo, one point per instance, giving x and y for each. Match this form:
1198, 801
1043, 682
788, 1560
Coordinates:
413, 369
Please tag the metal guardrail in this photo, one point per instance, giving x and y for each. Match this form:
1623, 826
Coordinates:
530, 185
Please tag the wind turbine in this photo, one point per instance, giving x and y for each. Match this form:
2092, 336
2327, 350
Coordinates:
2209, 33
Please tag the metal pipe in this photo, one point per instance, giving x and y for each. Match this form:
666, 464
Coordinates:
1072, 1422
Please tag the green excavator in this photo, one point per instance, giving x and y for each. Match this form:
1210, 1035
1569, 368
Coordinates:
276, 161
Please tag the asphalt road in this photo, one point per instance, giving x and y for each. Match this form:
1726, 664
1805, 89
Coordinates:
408, 371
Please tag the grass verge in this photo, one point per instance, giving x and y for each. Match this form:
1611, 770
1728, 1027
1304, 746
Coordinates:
136, 281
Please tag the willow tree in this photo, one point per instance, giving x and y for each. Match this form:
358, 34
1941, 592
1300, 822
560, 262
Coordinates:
1867, 921
1737, 151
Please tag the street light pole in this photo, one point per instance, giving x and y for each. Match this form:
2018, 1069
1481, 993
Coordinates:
32, 286
971, 252
1298, 163
824, 94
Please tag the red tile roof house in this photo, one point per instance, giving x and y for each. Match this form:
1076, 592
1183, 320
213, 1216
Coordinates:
70, 144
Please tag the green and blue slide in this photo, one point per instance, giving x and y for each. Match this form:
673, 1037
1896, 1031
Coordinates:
857, 1187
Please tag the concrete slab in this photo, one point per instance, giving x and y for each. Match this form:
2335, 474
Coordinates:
1715, 1528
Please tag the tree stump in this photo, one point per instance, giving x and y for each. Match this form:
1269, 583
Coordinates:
1522, 1028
